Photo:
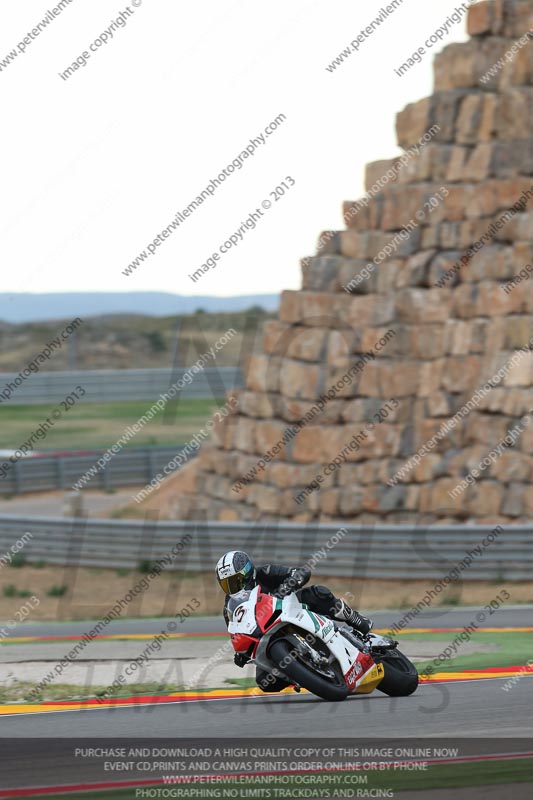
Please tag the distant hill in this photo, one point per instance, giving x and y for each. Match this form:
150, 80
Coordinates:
127, 341
22, 307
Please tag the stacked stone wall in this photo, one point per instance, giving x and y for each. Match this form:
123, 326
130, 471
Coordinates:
421, 308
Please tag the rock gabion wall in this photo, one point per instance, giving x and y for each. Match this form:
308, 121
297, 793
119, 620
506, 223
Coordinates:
396, 385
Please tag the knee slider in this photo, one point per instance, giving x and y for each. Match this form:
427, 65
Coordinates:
323, 593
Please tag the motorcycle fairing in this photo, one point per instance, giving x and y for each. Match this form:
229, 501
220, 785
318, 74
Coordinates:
348, 656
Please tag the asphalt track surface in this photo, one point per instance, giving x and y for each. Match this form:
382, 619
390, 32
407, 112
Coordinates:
473, 708
470, 710
511, 616
466, 714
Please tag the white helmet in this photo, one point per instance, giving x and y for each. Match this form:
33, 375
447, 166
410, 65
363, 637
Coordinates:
235, 572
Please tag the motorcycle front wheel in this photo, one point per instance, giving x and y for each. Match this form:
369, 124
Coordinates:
292, 664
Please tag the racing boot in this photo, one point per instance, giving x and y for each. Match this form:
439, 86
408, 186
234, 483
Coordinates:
344, 613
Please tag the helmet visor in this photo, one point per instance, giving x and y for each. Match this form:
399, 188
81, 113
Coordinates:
241, 579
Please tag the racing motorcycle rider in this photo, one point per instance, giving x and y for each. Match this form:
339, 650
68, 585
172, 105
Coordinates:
236, 572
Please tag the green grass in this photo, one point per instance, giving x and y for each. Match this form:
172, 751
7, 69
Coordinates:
18, 560
145, 566
241, 683
445, 776
94, 426
11, 591
513, 649
119, 638
57, 591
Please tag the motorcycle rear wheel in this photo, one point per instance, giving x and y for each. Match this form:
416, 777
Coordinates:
401, 676
282, 653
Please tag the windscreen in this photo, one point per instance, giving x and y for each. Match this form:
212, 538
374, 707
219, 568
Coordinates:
236, 600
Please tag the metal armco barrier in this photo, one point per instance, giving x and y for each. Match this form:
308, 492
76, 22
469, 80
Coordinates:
118, 385
46, 473
382, 551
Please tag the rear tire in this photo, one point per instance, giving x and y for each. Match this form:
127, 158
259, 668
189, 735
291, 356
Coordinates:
281, 653
401, 676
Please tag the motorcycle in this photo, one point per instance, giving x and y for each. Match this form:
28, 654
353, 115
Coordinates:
309, 650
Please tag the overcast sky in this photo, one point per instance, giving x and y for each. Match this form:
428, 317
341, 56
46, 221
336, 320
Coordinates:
96, 166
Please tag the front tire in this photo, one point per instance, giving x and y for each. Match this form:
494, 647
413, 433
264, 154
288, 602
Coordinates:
282, 653
401, 676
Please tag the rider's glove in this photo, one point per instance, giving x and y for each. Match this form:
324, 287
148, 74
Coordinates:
241, 659
298, 577
301, 575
